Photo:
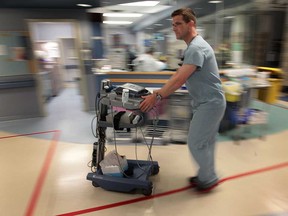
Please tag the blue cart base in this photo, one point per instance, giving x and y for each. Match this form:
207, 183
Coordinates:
134, 179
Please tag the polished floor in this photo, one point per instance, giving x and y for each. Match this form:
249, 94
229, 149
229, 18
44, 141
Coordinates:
44, 163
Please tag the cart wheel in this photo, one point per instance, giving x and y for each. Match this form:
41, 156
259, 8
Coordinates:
147, 192
155, 170
95, 184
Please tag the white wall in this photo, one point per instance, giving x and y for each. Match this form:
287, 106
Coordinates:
51, 31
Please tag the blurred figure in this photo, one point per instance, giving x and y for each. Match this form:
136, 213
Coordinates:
146, 62
223, 55
130, 56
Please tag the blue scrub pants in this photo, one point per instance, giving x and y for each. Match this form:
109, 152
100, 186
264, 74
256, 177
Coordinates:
202, 134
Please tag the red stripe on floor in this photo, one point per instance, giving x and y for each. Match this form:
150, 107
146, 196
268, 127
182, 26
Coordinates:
85, 211
113, 205
29, 134
41, 178
265, 169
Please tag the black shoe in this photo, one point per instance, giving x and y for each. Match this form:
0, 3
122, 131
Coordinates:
205, 188
193, 181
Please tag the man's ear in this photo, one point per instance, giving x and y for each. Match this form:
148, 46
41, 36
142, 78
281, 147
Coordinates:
191, 23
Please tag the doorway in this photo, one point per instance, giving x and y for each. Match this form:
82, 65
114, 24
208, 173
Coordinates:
57, 61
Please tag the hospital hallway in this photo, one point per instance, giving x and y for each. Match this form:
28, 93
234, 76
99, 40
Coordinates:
44, 163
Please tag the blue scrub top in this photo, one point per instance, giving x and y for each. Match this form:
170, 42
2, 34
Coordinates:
204, 85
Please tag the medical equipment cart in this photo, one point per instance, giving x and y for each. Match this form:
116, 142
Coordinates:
136, 177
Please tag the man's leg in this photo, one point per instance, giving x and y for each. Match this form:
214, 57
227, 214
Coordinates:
201, 141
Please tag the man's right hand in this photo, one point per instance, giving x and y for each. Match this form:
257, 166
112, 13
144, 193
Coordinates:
148, 102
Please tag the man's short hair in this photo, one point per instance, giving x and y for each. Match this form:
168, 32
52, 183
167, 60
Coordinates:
187, 13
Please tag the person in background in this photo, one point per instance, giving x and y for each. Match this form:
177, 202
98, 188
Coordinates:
146, 62
199, 72
130, 56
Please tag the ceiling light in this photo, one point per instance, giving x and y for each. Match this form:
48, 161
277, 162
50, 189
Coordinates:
158, 24
122, 14
215, 2
229, 17
117, 22
142, 3
156, 9
84, 5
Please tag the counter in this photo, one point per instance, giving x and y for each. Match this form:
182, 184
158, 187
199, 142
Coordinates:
18, 97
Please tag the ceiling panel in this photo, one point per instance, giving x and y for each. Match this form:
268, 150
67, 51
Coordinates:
60, 4
148, 20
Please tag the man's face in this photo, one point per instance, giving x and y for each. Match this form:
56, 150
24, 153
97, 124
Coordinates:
180, 28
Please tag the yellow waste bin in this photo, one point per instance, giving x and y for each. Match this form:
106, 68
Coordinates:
232, 90
271, 94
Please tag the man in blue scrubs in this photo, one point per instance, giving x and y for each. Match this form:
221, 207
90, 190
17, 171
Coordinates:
199, 72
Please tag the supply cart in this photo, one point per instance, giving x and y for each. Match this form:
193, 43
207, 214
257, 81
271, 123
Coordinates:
240, 113
180, 115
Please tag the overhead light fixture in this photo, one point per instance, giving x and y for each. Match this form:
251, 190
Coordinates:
156, 9
84, 5
97, 38
141, 3
229, 17
158, 24
117, 22
122, 14
215, 2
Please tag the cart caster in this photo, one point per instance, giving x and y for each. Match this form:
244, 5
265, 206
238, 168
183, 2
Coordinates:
95, 184
147, 192
155, 170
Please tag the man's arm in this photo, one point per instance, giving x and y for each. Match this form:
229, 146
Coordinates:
177, 80
174, 83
